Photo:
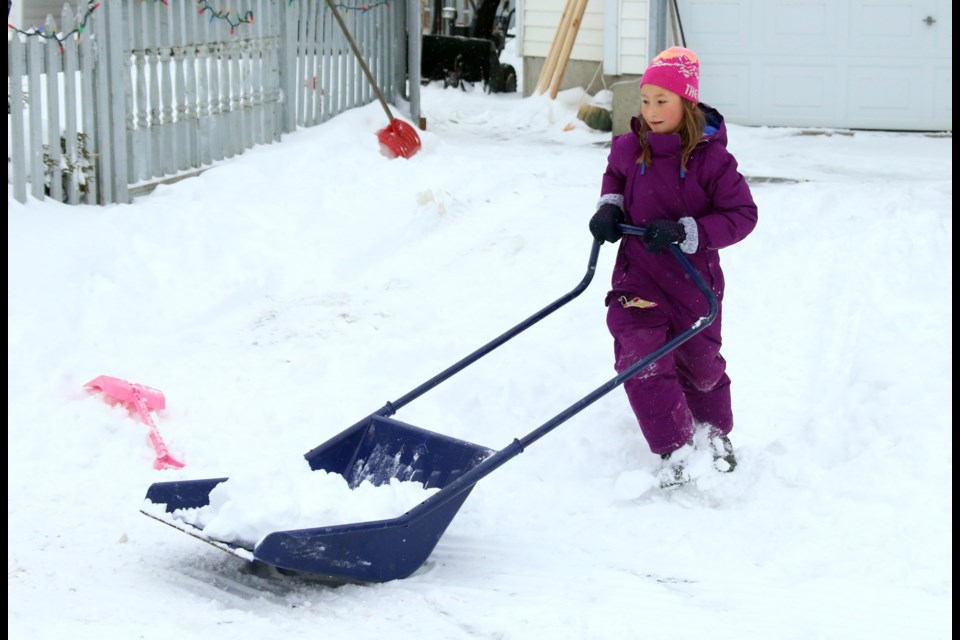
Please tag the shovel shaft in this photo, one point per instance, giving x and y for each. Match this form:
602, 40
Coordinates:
507, 335
518, 445
163, 459
391, 407
363, 64
646, 361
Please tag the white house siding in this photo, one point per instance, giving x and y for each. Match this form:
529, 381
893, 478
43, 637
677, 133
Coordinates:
634, 27
540, 19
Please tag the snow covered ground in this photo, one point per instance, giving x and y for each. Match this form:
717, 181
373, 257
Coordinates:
280, 297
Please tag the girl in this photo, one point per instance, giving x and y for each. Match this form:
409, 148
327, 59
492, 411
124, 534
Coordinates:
674, 176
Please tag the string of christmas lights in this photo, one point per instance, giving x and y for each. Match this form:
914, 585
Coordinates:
60, 37
204, 6
223, 14
362, 8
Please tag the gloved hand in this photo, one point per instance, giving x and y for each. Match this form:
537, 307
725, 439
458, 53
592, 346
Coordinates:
659, 233
603, 224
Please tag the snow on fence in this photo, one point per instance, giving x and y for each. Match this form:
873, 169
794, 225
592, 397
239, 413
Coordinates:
150, 91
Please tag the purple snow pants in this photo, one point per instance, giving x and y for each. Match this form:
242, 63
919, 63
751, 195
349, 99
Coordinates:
687, 386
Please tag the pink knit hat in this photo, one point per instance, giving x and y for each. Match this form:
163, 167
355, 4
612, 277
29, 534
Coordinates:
675, 69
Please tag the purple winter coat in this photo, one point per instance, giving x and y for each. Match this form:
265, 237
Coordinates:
711, 191
688, 386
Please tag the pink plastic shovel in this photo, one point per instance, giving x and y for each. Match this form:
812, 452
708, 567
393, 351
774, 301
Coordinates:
144, 399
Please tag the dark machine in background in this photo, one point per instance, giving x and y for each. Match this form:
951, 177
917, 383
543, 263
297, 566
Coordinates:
460, 54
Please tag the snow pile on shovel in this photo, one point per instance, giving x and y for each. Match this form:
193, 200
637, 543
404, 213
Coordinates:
247, 507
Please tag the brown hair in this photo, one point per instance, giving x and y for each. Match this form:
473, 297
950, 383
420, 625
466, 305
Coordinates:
692, 125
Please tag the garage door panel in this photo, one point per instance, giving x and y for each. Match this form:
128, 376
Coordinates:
941, 29
943, 94
883, 96
803, 87
890, 29
897, 97
792, 29
726, 87
718, 24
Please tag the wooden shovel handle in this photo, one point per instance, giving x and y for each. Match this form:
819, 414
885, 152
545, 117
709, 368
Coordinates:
363, 65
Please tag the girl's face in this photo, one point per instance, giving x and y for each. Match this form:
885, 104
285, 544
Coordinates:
661, 108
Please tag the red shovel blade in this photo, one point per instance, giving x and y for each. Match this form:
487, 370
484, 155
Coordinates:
398, 139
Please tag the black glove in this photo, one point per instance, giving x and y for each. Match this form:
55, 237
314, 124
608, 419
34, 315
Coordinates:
603, 224
660, 233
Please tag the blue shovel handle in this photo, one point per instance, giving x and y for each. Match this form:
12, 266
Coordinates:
517, 447
644, 362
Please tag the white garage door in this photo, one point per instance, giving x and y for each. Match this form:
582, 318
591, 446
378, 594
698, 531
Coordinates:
863, 64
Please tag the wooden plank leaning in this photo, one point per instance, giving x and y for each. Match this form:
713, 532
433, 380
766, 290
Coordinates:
550, 62
564, 56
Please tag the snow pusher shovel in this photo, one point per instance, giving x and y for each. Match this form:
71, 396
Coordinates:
397, 139
144, 400
379, 448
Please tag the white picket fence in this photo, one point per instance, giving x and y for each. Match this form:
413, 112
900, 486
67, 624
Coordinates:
149, 91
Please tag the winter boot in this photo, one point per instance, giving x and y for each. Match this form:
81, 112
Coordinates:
673, 472
723, 459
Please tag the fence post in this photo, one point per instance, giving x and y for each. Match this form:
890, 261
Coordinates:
414, 20
89, 98
178, 44
16, 69
51, 64
72, 148
35, 70
101, 107
288, 68
116, 42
